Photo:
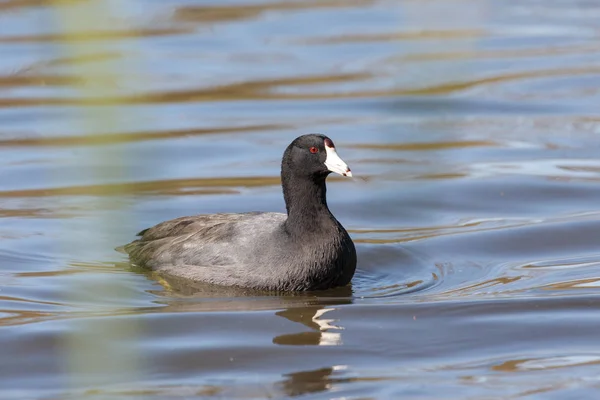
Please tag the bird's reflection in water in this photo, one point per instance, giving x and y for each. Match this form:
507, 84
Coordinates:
321, 335
313, 310
325, 329
304, 382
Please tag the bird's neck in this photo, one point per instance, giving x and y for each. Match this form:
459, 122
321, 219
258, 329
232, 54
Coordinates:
306, 204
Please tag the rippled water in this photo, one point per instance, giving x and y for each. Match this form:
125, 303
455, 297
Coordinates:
472, 126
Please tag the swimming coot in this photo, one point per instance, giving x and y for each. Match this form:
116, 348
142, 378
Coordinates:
307, 249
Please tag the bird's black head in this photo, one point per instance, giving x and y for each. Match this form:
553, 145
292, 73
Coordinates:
313, 156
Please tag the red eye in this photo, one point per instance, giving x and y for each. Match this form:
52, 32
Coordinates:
314, 150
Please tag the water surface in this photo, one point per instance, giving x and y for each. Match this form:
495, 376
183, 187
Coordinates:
472, 127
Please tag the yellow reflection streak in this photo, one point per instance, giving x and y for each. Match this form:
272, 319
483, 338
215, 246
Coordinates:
96, 350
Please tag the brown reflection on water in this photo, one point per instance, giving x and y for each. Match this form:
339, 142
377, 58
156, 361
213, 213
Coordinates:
65, 272
420, 233
489, 283
20, 317
30, 213
529, 364
213, 13
161, 187
127, 137
28, 80
426, 146
577, 284
171, 187
496, 53
9, 298
179, 391
393, 36
8, 5
250, 89
75, 60
267, 89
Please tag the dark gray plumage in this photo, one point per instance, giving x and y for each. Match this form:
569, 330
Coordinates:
307, 249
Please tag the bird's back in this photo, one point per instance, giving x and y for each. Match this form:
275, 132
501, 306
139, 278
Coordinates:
216, 248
